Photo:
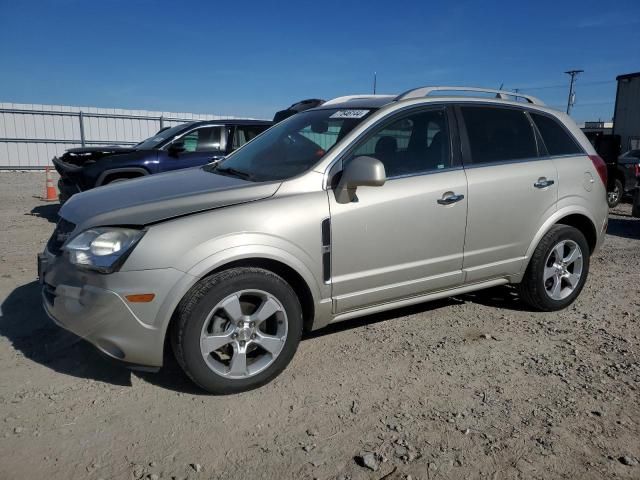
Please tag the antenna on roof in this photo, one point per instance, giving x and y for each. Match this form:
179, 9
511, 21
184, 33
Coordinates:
375, 78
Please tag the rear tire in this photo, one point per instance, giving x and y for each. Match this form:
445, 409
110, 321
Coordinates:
557, 270
614, 196
220, 337
635, 210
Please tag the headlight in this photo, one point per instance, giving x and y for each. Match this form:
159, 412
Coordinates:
103, 249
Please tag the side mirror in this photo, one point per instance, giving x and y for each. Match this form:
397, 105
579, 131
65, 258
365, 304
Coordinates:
360, 172
176, 147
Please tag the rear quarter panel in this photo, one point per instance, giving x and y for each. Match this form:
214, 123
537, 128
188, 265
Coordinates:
581, 190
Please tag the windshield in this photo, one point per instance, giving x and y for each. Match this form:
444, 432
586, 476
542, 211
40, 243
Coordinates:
292, 146
153, 142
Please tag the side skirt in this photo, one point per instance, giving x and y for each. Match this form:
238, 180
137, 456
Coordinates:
419, 299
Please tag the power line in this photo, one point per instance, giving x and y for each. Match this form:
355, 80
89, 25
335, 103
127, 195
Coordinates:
585, 104
584, 84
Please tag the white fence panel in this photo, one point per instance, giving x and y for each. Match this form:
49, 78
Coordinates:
31, 134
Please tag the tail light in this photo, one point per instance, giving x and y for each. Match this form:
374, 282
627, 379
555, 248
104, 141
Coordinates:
601, 167
637, 170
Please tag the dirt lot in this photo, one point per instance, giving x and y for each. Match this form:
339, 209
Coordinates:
470, 387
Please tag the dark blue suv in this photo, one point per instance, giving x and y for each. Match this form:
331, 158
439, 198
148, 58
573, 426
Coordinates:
186, 145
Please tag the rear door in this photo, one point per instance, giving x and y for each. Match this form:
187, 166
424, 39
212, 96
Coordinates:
512, 188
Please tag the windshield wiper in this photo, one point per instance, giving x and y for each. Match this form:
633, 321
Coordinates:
232, 172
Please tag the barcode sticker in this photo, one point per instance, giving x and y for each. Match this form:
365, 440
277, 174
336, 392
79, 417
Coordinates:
349, 114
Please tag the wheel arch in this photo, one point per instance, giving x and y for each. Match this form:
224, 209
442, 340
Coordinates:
136, 171
618, 174
288, 274
296, 274
578, 218
584, 225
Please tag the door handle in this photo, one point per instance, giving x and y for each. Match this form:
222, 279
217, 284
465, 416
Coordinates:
543, 183
449, 197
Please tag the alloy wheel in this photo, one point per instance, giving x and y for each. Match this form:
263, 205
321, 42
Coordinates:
613, 196
563, 269
244, 334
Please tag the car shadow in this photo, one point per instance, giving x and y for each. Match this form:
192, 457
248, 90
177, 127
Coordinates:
626, 227
381, 317
48, 212
25, 324
505, 297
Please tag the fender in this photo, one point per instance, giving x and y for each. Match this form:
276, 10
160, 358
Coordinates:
550, 222
268, 252
104, 174
245, 252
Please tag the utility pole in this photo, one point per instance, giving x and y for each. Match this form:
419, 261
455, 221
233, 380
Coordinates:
375, 78
573, 74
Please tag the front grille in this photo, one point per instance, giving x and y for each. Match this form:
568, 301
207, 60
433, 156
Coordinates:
60, 235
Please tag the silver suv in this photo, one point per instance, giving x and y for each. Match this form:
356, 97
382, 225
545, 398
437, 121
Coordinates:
364, 204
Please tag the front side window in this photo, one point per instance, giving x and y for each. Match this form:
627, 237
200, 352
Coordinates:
291, 147
498, 134
161, 137
206, 139
555, 138
414, 143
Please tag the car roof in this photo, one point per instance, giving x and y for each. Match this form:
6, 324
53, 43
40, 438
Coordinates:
426, 94
230, 121
359, 101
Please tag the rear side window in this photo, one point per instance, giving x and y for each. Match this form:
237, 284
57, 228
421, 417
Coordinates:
498, 134
244, 133
556, 138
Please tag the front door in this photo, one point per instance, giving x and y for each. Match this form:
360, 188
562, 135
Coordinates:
201, 145
405, 238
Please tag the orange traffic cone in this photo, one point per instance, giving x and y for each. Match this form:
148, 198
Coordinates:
50, 193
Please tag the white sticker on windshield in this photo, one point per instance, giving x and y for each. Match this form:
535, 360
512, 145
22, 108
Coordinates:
349, 114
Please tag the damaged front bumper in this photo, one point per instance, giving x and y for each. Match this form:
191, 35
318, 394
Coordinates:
94, 307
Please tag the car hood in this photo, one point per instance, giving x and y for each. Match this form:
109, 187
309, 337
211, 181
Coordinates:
159, 197
101, 149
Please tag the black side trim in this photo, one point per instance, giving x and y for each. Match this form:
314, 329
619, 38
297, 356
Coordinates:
326, 250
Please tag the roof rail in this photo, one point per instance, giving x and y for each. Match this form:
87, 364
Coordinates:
354, 97
502, 94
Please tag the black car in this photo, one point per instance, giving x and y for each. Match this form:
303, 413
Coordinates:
625, 177
186, 145
297, 107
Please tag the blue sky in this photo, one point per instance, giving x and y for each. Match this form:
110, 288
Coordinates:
252, 58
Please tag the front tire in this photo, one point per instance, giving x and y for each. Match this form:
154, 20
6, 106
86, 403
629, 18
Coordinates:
557, 270
237, 330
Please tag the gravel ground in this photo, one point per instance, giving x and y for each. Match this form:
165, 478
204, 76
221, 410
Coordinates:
470, 387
